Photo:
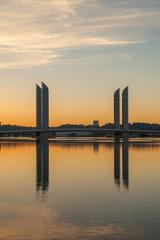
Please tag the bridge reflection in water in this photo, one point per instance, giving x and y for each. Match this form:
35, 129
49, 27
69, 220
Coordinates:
42, 165
125, 163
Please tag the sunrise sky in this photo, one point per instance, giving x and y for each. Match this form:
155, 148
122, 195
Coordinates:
83, 50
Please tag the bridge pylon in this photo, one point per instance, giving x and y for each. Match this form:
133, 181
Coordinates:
42, 108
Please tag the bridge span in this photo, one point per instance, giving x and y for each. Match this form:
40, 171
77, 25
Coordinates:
93, 131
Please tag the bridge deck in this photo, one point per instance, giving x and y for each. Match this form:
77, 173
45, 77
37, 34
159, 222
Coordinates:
77, 130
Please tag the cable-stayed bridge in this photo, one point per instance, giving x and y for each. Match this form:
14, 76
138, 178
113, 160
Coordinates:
42, 128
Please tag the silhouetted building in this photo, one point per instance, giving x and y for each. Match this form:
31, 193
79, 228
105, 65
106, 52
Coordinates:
38, 106
95, 123
44, 106
117, 109
125, 109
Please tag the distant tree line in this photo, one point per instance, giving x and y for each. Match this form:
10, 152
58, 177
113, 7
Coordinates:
132, 126
13, 127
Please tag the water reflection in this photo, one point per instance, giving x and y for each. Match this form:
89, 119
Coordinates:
117, 163
42, 165
84, 202
125, 173
96, 147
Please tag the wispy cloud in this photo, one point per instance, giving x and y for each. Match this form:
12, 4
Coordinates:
93, 58
34, 33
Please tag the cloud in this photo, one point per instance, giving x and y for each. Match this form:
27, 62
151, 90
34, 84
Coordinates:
34, 33
21, 59
93, 58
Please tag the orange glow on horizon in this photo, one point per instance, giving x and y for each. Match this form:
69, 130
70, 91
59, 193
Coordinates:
30, 121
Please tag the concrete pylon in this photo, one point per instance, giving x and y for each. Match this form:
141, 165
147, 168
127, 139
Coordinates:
38, 107
125, 124
117, 109
44, 107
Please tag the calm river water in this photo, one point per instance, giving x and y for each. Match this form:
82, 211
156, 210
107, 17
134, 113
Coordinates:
80, 190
